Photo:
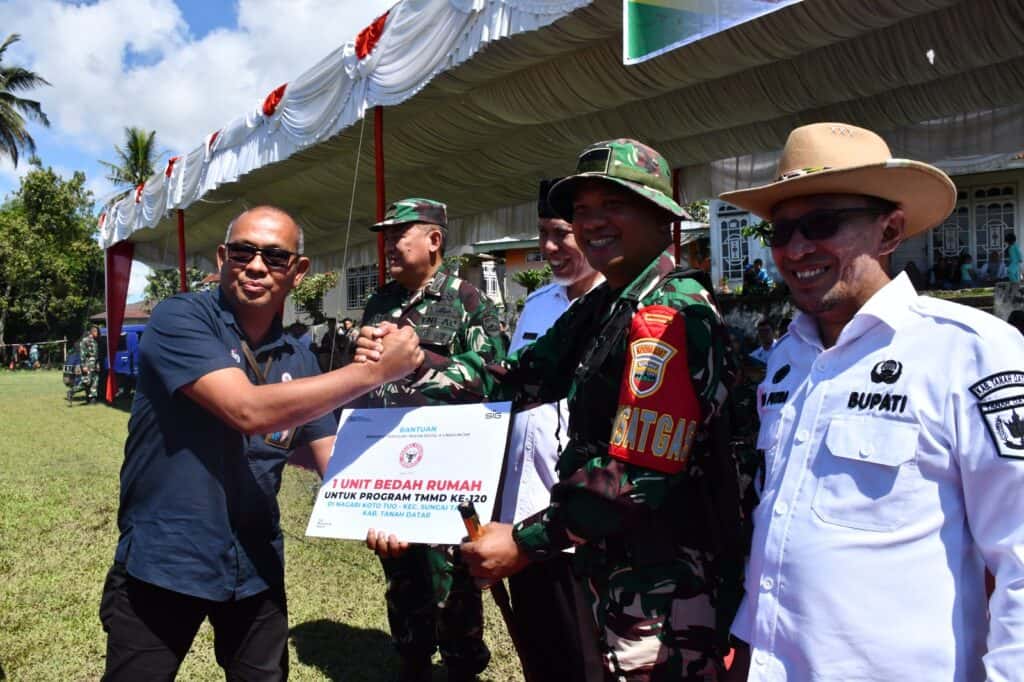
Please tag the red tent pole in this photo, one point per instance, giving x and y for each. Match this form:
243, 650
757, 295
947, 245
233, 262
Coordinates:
118, 262
181, 251
676, 226
378, 157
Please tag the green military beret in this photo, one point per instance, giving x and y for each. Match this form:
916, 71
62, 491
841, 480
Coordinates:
414, 210
627, 163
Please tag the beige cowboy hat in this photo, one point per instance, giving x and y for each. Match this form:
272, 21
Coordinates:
837, 158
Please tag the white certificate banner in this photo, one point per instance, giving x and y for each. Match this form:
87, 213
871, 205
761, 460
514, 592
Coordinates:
404, 470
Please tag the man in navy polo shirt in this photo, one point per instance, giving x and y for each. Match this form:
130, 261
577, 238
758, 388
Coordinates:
224, 397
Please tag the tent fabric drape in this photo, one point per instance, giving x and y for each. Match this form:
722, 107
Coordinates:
477, 127
118, 268
959, 144
336, 93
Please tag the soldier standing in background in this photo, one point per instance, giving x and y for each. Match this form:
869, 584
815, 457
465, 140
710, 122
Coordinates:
431, 601
557, 638
89, 357
648, 490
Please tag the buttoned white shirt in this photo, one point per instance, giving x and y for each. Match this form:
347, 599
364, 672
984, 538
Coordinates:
895, 475
533, 445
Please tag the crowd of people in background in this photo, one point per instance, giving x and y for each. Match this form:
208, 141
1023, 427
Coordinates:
960, 272
30, 355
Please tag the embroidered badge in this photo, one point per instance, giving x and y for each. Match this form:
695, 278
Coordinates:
781, 374
882, 402
281, 440
236, 356
650, 357
1001, 401
657, 419
285, 376
886, 372
773, 399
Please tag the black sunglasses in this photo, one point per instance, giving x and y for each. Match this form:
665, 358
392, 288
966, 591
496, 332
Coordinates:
816, 225
273, 257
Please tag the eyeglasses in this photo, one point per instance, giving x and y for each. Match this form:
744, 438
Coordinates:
816, 225
273, 257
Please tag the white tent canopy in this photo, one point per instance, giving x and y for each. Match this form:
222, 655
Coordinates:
483, 97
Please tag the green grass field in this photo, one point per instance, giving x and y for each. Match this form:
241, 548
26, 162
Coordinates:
58, 505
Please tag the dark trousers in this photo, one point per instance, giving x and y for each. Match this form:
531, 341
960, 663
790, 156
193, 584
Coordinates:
433, 603
557, 632
150, 629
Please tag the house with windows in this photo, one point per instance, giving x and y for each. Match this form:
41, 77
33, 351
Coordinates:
986, 210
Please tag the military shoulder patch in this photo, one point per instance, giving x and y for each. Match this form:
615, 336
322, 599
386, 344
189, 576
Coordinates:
658, 413
1001, 401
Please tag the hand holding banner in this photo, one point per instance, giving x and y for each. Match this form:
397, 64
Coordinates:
406, 470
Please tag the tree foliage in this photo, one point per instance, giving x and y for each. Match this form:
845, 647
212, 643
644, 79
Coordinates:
309, 294
166, 282
14, 110
51, 268
533, 279
698, 210
136, 160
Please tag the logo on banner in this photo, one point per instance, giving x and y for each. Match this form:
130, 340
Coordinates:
650, 357
411, 455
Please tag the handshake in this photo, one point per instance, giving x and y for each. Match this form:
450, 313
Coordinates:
391, 351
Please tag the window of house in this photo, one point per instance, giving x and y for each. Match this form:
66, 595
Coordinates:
492, 288
360, 283
982, 217
994, 217
735, 250
953, 235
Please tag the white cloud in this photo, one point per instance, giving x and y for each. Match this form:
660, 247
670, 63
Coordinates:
184, 88
137, 281
11, 176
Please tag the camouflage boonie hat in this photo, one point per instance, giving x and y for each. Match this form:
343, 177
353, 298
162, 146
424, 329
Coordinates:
625, 162
414, 210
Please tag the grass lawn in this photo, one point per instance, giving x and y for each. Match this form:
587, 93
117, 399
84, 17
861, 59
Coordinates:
58, 529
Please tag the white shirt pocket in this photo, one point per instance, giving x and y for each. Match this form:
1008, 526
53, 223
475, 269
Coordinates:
867, 473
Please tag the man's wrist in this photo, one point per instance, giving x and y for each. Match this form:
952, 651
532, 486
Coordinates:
536, 537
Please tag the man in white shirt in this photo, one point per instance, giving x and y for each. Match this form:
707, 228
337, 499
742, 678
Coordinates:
765, 341
552, 620
893, 431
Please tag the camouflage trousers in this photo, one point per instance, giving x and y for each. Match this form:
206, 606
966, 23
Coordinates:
654, 625
433, 603
91, 384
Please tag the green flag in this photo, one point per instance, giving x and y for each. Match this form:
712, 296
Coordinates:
653, 27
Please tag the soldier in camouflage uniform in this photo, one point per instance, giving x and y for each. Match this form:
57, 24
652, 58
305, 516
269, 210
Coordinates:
89, 357
650, 484
431, 601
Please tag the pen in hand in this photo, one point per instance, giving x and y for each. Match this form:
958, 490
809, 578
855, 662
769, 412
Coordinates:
470, 519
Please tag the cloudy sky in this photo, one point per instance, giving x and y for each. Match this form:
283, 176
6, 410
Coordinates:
183, 68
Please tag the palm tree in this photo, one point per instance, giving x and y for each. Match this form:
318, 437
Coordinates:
14, 138
135, 160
